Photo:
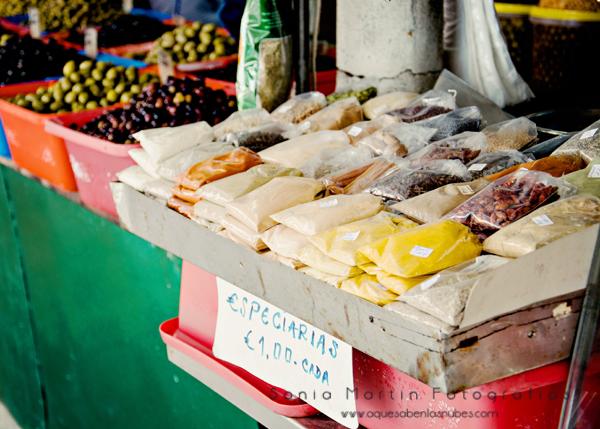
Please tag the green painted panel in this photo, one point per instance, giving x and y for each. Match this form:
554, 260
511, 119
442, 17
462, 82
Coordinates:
98, 295
20, 387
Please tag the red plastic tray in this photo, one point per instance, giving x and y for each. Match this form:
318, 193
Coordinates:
254, 387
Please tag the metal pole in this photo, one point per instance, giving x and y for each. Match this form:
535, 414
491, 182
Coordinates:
302, 45
584, 344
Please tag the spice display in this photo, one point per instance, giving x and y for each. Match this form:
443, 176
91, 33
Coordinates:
241, 121
261, 137
125, 30
330, 161
163, 143
296, 152
362, 95
434, 205
424, 250
172, 168
313, 257
255, 208
368, 287
587, 181
88, 85
492, 162
455, 122
358, 179
512, 134
26, 59
427, 105
300, 107
264, 74
65, 15
545, 225
342, 242
555, 165
218, 167
191, 43
385, 103
585, 143
463, 147
285, 241
360, 130
445, 294
398, 139
336, 116
409, 182
506, 200
178, 102
228, 189
317, 216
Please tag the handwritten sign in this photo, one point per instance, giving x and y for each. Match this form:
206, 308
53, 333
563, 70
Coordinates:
286, 352
35, 26
166, 68
90, 42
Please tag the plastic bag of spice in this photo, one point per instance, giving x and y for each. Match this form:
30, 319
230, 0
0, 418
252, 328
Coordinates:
255, 208
378, 169
585, 143
262, 137
545, 225
181, 206
241, 121
398, 139
330, 161
587, 181
368, 287
218, 167
555, 165
492, 162
445, 294
285, 241
386, 103
397, 284
228, 189
317, 216
313, 257
241, 233
434, 205
423, 250
455, 122
512, 134
324, 277
336, 116
463, 147
264, 73
298, 151
342, 242
507, 200
136, 177
209, 211
362, 129
300, 107
408, 182
171, 168
428, 105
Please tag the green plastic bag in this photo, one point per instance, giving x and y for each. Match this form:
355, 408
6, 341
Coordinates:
264, 74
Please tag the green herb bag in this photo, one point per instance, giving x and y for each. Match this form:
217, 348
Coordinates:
264, 74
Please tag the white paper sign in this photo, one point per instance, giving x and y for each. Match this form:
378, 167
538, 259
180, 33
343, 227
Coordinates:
286, 352
465, 190
351, 236
90, 42
594, 171
35, 26
166, 68
477, 167
354, 131
421, 252
542, 220
588, 134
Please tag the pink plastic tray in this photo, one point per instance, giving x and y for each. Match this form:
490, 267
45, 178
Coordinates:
242, 380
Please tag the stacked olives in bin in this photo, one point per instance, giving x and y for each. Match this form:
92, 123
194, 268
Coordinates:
178, 102
89, 85
194, 42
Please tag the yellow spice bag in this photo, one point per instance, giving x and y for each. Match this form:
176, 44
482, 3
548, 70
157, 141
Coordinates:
342, 242
397, 284
367, 287
424, 250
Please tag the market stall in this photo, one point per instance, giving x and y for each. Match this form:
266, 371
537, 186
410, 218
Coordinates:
416, 248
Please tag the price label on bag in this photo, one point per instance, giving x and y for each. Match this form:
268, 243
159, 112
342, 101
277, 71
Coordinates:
588, 134
594, 172
465, 190
285, 351
35, 25
166, 68
542, 220
127, 6
421, 252
90, 42
477, 167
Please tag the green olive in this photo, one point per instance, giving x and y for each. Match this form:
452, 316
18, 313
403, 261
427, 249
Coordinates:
205, 38
70, 97
112, 73
97, 75
112, 96
120, 88
46, 99
104, 102
91, 105
83, 97
77, 88
108, 83
69, 68
125, 97
74, 77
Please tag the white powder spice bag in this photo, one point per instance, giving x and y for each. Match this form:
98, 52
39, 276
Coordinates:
314, 258
296, 152
284, 241
255, 208
318, 216
209, 211
136, 177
